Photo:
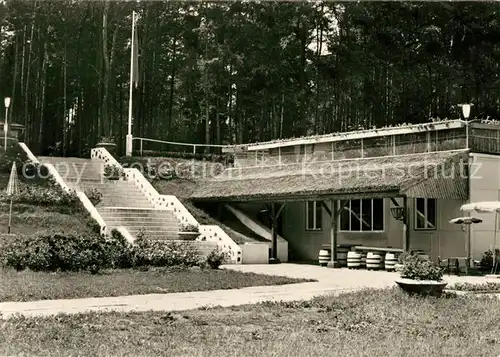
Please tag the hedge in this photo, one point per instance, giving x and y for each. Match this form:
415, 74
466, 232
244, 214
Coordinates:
73, 252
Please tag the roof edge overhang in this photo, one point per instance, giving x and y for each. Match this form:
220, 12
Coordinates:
360, 134
449, 181
318, 196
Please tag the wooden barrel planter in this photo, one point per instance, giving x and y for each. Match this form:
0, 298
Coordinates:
342, 256
373, 261
324, 257
363, 260
391, 259
353, 260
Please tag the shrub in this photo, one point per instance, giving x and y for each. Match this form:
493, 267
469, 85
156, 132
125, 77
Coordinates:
43, 196
486, 263
402, 257
189, 228
418, 269
163, 253
94, 195
113, 172
73, 252
489, 286
108, 139
14, 154
226, 158
56, 251
92, 224
216, 258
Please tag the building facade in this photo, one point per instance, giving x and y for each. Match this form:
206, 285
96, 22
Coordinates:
343, 187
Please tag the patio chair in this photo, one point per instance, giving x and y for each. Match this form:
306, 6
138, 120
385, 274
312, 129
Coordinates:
449, 266
496, 263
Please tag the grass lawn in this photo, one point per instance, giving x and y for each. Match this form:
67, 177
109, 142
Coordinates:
28, 219
27, 285
368, 323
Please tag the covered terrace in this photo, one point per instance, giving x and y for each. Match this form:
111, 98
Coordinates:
439, 175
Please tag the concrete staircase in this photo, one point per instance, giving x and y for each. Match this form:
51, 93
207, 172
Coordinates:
122, 204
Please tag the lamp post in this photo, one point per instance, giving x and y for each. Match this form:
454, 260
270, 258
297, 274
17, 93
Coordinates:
466, 114
6, 101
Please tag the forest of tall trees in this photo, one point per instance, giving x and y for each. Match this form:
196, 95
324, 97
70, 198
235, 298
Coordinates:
236, 72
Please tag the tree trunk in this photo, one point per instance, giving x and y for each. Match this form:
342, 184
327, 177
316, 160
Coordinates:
14, 79
65, 101
42, 99
172, 82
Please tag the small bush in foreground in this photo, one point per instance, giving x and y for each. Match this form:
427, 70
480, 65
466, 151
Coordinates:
488, 286
73, 252
486, 263
59, 251
147, 252
418, 269
216, 258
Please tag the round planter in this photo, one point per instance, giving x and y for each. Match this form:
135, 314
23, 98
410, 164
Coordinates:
422, 287
110, 147
188, 235
94, 201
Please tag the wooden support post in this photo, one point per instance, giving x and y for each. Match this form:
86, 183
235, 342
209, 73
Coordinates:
274, 232
334, 212
406, 226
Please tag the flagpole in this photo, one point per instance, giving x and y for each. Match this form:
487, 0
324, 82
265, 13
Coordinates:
130, 107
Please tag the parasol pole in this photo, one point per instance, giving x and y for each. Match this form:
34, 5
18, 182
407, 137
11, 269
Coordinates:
10, 215
495, 239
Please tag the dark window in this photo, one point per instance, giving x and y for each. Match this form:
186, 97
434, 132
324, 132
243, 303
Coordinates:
363, 216
314, 215
425, 213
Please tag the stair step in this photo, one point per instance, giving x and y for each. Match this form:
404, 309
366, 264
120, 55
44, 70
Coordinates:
135, 216
136, 210
166, 220
136, 229
140, 219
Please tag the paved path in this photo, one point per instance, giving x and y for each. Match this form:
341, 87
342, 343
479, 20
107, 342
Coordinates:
333, 281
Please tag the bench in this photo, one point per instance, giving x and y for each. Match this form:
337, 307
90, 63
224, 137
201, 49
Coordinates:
378, 249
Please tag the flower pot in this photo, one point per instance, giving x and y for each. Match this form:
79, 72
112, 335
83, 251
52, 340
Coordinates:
111, 147
113, 178
422, 287
188, 235
94, 201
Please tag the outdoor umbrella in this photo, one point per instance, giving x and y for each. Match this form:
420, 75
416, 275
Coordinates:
485, 207
464, 221
12, 189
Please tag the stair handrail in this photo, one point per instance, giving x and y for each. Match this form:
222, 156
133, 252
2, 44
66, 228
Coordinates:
93, 212
104, 155
214, 233
171, 202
